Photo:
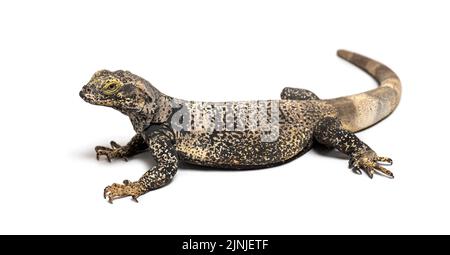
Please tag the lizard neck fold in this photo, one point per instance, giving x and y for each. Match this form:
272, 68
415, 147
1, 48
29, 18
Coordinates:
139, 122
164, 110
152, 113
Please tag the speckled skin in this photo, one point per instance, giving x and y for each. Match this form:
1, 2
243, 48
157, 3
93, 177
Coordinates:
292, 125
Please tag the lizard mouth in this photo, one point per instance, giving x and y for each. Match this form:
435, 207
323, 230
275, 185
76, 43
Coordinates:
92, 99
86, 96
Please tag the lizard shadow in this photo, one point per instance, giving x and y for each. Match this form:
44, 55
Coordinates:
328, 152
86, 154
144, 157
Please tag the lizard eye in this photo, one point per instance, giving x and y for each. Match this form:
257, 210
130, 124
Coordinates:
111, 87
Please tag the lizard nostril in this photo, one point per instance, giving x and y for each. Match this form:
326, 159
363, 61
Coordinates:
85, 90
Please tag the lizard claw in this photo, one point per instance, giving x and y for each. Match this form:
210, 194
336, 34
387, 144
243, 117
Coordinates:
116, 151
356, 171
115, 145
101, 150
369, 162
385, 160
105, 191
384, 171
116, 191
370, 173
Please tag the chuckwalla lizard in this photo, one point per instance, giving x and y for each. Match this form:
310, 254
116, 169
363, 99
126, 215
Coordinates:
240, 135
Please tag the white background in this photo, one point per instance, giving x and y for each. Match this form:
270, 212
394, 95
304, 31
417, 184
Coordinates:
50, 181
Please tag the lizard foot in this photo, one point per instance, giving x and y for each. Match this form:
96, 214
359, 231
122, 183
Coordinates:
370, 163
126, 189
115, 152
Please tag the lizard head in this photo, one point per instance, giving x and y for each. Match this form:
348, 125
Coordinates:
121, 90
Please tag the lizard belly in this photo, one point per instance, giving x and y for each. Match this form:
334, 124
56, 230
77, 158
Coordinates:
242, 149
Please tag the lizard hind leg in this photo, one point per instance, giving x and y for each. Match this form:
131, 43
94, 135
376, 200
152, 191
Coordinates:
289, 93
330, 132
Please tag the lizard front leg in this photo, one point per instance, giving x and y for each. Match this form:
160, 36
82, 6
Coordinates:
330, 132
135, 146
161, 146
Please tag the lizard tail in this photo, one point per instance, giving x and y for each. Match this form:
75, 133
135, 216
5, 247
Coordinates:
360, 111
